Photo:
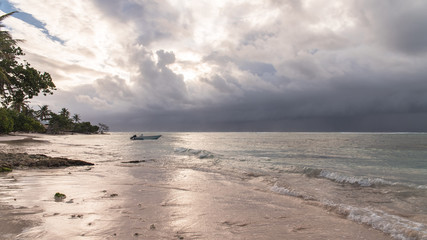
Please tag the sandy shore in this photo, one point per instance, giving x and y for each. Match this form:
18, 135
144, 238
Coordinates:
143, 201
153, 203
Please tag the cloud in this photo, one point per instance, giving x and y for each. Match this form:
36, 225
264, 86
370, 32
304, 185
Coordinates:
400, 29
240, 65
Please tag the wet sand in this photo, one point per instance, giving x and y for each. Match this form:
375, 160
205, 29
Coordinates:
145, 201
131, 201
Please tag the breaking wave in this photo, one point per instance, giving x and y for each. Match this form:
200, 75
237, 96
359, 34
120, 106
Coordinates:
201, 154
342, 178
289, 192
362, 181
397, 227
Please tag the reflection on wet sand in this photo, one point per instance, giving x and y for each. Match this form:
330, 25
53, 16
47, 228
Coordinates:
212, 206
158, 203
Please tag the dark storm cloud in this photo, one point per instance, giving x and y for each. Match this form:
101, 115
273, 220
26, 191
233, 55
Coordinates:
281, 65
398, 24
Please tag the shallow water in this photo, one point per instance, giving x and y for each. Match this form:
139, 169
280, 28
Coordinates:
372, 178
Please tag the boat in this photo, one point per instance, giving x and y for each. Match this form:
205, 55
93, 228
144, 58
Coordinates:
142, 137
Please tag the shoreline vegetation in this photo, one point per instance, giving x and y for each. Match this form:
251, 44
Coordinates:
19, 83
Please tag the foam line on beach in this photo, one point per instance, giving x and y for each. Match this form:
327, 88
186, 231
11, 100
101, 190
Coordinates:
397, 227
290, 192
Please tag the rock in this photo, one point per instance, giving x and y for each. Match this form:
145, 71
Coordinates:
59, 197
24, 160
134, 161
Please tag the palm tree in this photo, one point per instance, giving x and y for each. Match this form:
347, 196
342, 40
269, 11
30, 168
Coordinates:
65, 113
76, 118
44, 113
19, 103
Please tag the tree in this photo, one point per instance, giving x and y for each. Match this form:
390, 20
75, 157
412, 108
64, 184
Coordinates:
85, 127
103, 128
25, 123
13, 121
6, 121
18, 80
59, 123
65, 113
44, 113
7, 53
76, 118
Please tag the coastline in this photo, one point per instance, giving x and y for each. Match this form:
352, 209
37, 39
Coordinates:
15, 137
143, 200
10, 161
166, 204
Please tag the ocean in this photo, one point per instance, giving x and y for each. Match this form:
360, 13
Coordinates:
376, 179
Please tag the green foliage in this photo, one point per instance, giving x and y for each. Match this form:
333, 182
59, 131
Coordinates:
44, 113
59, 196
76, 118
85, 127
5, 169
6, 121
24, 123
59, 123
65, 113
13, 121
18, 80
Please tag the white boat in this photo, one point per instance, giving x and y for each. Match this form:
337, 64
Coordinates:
142, 137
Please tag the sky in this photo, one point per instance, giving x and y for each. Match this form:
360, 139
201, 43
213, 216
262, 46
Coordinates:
242, 65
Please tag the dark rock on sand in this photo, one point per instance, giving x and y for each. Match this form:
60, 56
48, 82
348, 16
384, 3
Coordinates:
24, 160
135, 161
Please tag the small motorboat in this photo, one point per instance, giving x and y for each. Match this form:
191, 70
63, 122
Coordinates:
142, 137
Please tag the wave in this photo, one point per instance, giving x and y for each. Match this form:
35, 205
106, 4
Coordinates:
201, 154
362, 181
290, 192
342, 178
397, 227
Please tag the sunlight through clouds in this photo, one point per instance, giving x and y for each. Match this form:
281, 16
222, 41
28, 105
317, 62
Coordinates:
275, 61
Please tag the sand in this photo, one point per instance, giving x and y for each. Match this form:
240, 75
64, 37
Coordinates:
143, 201
154, 203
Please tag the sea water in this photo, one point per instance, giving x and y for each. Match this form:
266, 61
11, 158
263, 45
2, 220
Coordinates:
378, 179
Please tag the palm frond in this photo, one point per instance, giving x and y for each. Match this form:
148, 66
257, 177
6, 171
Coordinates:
2, 17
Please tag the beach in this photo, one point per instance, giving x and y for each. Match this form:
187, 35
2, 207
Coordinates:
163, 204
147, 198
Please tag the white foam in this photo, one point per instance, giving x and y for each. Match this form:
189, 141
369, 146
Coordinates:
398, 227
195, 152
362, 181
289, 192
